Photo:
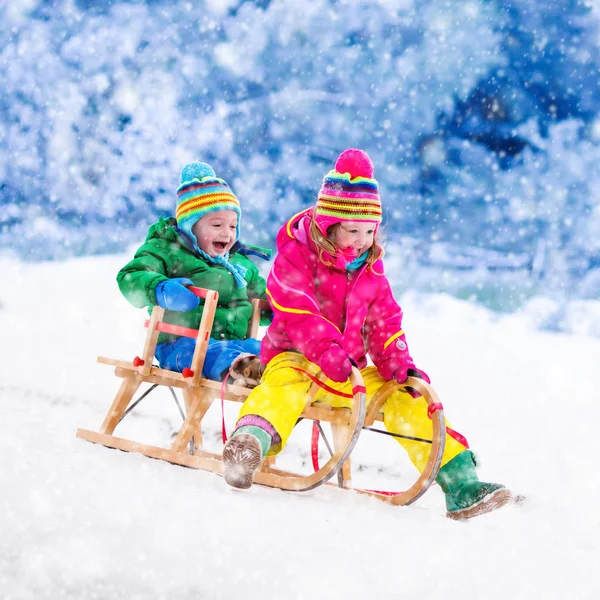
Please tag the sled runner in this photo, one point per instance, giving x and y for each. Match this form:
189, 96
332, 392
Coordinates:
199, 394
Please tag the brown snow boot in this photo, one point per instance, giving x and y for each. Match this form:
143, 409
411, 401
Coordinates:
241, 457
246, 371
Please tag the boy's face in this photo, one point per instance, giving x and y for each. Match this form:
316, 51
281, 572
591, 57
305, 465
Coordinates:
215, 232
353, 237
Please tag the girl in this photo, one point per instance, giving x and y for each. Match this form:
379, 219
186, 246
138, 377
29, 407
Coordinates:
332, 305
200, 247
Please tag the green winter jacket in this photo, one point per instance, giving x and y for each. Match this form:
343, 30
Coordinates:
164, 255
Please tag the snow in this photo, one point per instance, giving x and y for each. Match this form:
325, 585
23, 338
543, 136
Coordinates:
81, 521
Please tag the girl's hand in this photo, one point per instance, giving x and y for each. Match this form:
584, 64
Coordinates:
402, 373
335, 364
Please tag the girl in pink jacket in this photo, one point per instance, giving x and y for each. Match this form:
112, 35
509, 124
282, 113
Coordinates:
332, 306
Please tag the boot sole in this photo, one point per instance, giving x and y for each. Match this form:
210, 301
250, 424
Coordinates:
491, 502
240, 460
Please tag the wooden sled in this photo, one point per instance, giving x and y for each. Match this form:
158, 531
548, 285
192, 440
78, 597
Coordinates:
199, 394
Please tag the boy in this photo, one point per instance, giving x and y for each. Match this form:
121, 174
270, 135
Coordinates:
200, 247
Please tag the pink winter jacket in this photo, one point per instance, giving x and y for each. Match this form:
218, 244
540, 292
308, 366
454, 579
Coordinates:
315, 306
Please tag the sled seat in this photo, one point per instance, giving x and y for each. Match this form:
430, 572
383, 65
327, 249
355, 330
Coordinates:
199, 393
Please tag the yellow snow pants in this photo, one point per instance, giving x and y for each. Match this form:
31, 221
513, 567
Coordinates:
282, 395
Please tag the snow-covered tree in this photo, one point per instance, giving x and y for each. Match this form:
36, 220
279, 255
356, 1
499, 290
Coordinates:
481, 118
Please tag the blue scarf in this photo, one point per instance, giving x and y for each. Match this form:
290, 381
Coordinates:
237, 271
358, 262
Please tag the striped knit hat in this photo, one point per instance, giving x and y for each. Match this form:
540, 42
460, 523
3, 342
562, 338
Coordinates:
201, 192
349, 192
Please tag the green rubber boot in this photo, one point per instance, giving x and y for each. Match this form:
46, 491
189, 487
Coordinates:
466, 496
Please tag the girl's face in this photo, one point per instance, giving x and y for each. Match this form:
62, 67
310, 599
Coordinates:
353, 238
215, 232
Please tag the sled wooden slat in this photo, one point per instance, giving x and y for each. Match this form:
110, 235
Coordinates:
257, 307
128, 388
206, 462
338, 432
317, 412
192, 420
203, 460
434, 462
206, 323
429, 473
151, 339
199, 394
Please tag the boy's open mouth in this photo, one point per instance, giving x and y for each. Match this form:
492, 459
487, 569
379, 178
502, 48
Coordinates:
220, 246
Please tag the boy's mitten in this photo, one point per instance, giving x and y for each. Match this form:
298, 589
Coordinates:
335, 364
173, 294
410, 371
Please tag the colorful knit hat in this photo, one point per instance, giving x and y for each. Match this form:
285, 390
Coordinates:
349, 192
201, 192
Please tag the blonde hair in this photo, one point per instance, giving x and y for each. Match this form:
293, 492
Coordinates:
325, 244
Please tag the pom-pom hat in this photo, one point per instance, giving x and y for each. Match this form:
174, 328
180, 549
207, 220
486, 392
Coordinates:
201, 192
349, 192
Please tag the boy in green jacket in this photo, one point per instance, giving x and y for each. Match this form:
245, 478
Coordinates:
201, 248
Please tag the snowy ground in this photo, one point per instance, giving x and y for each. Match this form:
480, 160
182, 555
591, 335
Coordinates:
80, 521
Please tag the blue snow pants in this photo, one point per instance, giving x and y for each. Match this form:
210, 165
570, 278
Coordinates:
177, 355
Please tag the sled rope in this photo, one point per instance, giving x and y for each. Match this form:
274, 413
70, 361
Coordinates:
459, 437
223, 386
328, 388
316, 430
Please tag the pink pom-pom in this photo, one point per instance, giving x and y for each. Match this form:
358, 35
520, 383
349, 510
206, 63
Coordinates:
356, 162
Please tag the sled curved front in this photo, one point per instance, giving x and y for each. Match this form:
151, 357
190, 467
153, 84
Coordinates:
438, 441
352, 420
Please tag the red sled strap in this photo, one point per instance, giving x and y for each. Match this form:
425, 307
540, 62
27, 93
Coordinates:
328, 388
459, 437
